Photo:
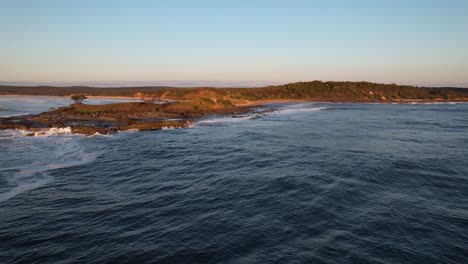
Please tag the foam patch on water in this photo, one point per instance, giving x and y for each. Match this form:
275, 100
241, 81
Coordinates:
299, 110
222, 120
53, 131
214, 121
433, 103
296, 109
11, 115
64, 153
11, 133
32, 100
25, 182
97, 134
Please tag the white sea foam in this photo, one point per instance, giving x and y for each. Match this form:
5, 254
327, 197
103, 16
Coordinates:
63, 152
97, 134
59, 130
53, 131
218, 120
301, 108
295, 110
39, 181
435, 103
9, 133
10, 115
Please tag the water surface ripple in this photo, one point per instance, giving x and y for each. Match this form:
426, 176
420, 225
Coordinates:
306, 183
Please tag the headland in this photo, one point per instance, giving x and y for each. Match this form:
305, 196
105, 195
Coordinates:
169, 107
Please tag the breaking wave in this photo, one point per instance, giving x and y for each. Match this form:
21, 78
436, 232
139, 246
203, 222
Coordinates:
53, 131
299, 110
386, 183
223, 120
434, 103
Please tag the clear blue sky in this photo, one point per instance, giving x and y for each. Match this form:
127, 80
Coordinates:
422, 42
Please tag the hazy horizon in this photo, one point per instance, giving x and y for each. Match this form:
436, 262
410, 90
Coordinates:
248, 43
188, 83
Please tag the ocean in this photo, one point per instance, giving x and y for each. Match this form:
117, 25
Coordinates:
294, 183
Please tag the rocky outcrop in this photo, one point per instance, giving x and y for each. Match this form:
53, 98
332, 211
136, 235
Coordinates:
109, 119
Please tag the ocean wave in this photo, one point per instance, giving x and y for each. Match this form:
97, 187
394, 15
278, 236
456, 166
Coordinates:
426, 103
53, 131
33, 100
223, 120
12, 133
67, 152
59, 132
97, 134
17, 114
433, 103
299, 110
24, 183
216, 121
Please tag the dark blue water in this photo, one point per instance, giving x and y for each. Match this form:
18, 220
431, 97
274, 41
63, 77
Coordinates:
310, 183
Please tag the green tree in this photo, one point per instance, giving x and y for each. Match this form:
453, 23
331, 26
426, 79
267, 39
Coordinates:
78, 98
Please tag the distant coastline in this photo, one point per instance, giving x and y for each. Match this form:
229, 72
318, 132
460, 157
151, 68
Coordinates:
67, 96
300, 91
168, 107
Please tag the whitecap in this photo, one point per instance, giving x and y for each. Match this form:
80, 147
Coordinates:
436, 103
299, 110
53, 131
222, 120
131, 130
11, 115
11, 133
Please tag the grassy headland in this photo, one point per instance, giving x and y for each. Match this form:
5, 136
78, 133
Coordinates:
310, 91
110, 118
192, 103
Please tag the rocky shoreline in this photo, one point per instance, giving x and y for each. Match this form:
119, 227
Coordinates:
111, 118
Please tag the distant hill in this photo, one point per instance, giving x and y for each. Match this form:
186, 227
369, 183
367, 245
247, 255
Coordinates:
69, 90
315, 90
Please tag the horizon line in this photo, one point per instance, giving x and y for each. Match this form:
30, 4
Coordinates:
170, 83
191, 83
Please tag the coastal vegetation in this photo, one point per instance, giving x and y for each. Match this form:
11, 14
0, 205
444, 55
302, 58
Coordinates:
314, 90
110, 118
78, 98
163, 107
